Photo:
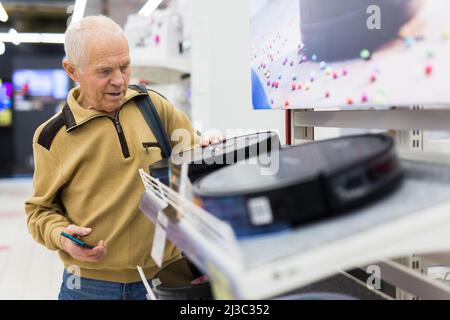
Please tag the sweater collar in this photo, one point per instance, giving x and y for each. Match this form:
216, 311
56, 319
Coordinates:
75, 115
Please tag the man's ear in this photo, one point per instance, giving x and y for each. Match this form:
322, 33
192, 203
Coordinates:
70, 70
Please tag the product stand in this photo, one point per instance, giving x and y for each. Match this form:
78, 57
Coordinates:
413, 219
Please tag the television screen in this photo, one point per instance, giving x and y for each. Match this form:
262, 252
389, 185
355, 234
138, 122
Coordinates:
6, 113
352, 53
53, 83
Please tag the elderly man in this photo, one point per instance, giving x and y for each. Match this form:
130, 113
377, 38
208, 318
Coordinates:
86, 180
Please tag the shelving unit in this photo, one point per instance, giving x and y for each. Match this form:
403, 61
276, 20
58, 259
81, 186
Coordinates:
291, 260
409, 126
158, 69
413, 219
167, 75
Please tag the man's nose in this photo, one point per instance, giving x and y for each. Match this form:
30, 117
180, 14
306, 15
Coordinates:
117, 79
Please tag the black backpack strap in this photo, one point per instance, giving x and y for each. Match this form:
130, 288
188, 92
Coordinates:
151, 116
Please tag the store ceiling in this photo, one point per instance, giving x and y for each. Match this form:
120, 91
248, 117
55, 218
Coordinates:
52, 15
118, 10
36, 16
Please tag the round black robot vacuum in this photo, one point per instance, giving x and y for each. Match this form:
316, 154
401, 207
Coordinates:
306, 183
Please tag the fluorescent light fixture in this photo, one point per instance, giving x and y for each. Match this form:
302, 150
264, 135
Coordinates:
3, 14
2, 48
52, 38
32, 37
78, 10
14, 36
149, 7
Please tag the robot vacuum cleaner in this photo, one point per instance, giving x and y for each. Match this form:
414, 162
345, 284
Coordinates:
202, 161
314, 181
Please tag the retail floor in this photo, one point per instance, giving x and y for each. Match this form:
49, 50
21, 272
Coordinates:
27, 269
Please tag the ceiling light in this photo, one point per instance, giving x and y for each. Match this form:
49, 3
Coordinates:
78, 10
3, 14
33, 38
52, 37
149, 7
14, 36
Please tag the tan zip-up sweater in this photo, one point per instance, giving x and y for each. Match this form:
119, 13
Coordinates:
86, 174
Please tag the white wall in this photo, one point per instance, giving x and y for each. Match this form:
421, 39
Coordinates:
221, 83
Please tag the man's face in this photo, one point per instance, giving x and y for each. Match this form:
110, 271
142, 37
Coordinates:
104, 74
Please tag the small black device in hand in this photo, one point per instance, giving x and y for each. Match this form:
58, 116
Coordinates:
77, 241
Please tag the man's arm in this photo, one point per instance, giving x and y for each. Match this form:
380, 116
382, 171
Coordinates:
45, 216
45, 213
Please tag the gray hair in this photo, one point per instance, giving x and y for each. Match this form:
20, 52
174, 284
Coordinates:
80, 33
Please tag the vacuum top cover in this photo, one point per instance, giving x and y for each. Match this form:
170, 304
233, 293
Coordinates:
210, 158
293, 164
215, 153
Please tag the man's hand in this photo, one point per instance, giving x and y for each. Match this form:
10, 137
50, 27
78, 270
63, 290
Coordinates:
213, 140
89, 255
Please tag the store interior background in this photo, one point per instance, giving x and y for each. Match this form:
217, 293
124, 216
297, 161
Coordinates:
210, 81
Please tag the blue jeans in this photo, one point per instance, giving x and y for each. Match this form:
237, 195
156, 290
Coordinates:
89, 289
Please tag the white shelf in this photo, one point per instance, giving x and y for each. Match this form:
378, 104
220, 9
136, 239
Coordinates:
401, 119
158, 69
414, 219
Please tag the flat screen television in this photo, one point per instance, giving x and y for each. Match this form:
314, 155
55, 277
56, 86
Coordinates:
6, 103
45, 83
349, 54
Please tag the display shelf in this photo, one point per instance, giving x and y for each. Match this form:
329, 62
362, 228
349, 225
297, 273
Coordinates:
158, 69
400, 119
414, 219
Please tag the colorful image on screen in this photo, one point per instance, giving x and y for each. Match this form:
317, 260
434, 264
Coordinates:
6, 113
49, 83
349, 54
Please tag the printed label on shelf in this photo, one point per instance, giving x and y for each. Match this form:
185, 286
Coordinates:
185, 182
159, 240
260, 211
219, 283
162, 219
155, 205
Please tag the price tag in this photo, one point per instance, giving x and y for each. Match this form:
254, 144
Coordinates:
185, 182
159, 240
219, 283
157, 203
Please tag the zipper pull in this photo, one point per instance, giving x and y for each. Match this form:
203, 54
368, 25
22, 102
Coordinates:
118, 126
